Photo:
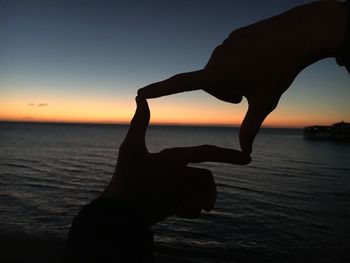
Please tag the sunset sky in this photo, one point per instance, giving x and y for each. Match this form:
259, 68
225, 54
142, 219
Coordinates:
83, 61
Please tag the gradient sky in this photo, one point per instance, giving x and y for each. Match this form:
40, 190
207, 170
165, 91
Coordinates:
84, 61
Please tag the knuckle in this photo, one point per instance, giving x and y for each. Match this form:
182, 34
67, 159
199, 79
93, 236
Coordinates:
236, 32
178, 77
271, 104
218, 50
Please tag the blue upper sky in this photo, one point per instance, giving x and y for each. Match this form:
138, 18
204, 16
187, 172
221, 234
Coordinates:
103, 49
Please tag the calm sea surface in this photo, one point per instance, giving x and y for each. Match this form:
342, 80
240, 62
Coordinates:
291, 203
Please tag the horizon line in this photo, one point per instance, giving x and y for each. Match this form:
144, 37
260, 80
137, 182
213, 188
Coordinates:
151, 124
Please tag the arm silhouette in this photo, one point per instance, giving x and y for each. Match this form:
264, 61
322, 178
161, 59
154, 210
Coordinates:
261, 61
162, 183
145, 189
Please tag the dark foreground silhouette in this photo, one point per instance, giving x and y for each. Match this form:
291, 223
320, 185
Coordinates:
262, 60
145, 189
259, 62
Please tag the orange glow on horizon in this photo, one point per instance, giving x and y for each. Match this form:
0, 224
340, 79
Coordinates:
164, 112
94, 112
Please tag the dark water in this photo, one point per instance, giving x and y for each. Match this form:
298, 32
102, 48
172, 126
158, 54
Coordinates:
291, 203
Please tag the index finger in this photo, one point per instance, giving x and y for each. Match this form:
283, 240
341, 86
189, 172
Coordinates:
179, 83
255, 116
204, 153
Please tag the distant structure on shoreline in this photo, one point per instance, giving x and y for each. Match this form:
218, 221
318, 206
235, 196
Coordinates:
338, 132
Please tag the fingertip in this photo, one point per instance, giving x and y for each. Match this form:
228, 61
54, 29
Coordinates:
249, 159
150, 91
208, 209
248, 131
247, 148
247, 134
246, 157
210, 206
258, 110
141, 93
141, 117
176, 84
138, 99
189, 213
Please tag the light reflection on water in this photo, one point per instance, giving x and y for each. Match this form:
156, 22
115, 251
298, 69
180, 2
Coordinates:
292, 200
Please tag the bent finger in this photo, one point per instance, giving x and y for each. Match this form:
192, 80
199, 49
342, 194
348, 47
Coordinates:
179, 83
255, 116
203, 153
139, 122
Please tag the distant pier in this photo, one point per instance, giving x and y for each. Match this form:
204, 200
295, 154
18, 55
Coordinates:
338, 132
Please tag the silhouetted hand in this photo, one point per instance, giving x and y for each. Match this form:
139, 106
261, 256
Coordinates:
261, 61
162, 184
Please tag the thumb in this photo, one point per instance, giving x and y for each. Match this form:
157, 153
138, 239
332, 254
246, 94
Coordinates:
258, 110
139, 122
134, 145
179, 83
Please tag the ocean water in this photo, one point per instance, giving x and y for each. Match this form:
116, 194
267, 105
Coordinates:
291, 203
